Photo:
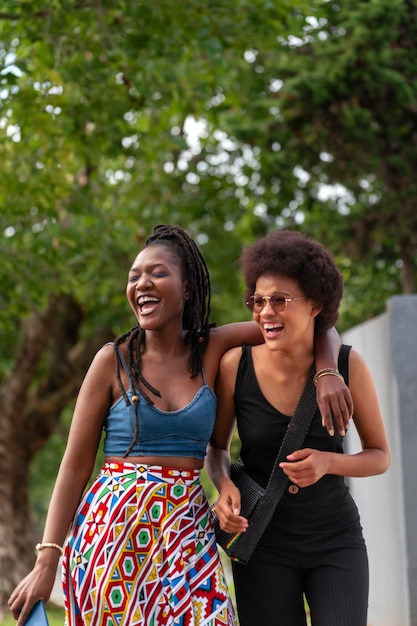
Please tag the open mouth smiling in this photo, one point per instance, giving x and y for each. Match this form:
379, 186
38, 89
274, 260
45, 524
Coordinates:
147, 302
273, 328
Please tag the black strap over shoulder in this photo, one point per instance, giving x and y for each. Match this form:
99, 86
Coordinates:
343, 363
297, 429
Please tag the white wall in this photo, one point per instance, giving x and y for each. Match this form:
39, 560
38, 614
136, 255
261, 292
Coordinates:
380, 499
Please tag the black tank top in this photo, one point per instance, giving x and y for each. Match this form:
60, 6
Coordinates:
261, 426
327, 504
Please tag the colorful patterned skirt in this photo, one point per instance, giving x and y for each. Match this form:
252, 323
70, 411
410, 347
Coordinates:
141, 551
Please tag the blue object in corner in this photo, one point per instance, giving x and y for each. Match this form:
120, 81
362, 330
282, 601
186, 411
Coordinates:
37, 616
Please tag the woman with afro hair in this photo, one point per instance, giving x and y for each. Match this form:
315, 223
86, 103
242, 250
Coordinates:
313, 548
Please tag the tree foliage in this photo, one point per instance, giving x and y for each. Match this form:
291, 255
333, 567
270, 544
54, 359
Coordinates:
96, 104
118, 115
339, 156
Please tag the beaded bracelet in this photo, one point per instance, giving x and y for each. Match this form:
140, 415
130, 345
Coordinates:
328, 371
48, 544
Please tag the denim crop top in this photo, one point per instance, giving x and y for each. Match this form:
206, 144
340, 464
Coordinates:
184, 432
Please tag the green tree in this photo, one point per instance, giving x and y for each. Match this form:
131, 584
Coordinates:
337, 156
97, 99
358, 76
118, 115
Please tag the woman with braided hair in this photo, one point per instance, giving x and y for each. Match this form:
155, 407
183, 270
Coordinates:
141, 548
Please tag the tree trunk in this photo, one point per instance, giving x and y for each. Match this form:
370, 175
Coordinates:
16, 541
30, 411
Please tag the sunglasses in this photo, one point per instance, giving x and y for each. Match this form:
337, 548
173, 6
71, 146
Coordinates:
278, 302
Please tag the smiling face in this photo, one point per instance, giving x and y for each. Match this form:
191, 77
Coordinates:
292, 324
156, 289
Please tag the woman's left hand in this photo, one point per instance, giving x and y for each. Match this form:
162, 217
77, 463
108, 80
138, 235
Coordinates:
305, 467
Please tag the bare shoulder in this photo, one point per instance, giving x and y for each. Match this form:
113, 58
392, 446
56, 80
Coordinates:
360, 376
102, 365
356, 362
104, 357
230, 361
226, 379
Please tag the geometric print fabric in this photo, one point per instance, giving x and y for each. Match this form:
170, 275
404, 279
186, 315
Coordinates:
142, 552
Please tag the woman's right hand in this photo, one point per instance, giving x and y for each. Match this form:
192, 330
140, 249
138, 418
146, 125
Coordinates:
37, 585
227, 509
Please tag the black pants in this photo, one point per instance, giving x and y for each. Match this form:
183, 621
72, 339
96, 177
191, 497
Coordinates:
270, 590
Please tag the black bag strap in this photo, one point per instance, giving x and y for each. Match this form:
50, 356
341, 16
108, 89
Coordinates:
343, 363
296, 432
294, 437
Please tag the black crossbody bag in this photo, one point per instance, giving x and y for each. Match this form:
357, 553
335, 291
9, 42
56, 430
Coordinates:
258, 504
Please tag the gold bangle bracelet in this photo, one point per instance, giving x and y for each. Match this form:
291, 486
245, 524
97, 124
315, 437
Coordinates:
327, 372
49, 544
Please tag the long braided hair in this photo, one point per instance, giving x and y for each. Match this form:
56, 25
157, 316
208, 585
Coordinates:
195, 319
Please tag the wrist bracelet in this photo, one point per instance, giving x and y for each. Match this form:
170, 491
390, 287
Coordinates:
328, 371
47, 544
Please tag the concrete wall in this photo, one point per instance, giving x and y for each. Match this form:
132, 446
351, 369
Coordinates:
388, 503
